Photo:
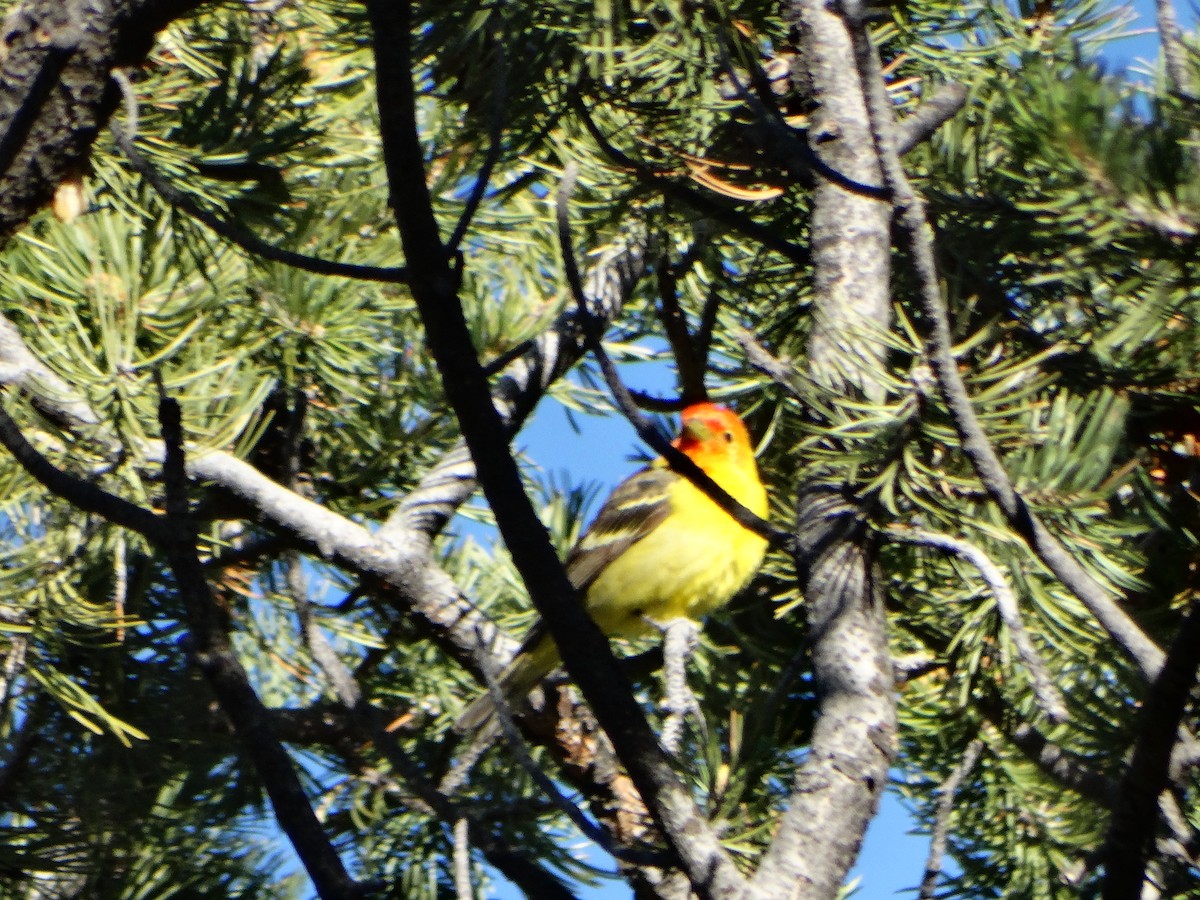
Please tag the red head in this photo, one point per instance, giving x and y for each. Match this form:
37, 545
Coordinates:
709, 428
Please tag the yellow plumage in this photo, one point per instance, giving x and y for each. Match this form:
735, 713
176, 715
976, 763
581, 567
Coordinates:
659, 549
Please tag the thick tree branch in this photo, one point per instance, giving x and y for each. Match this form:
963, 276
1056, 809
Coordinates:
55, 92
433, 287
838, 786
1135, 811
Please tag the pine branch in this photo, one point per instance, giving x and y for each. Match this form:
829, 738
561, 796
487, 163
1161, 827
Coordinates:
915, 226
368, 723
215, 656
433, 287
1045, 691
230, 229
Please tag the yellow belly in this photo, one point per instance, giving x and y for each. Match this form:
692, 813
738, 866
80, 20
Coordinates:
695, 561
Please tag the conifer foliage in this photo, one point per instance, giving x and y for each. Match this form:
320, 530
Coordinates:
281, 285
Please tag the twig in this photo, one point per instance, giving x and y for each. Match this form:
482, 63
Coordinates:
1047, 695
912, 666
14, 665
215, 657
932, 114
495, 146
675, 458
680, 638
941, 825
234, 231
915, 226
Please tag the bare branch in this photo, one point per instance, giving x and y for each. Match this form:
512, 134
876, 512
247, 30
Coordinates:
1048, 697
941, 825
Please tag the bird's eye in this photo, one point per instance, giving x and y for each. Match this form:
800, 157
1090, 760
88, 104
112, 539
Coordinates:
729, 437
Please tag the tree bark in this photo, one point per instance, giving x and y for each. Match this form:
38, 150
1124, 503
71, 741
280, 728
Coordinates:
55, 91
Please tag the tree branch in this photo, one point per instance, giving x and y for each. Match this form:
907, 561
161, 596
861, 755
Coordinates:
215, 656
915, 226
941, 825
433, 288
1135, 811
1048, 697
232, 230
837, 788
55, 93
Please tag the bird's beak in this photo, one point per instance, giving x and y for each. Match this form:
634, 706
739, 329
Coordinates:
694, 431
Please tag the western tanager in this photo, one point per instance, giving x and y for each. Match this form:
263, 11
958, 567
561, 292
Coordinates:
658, 550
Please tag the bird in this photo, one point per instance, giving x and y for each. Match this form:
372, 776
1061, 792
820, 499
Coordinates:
659, 549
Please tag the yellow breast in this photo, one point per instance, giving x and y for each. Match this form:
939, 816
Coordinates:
693, 562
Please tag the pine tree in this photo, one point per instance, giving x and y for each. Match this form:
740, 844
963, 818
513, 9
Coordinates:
283, 282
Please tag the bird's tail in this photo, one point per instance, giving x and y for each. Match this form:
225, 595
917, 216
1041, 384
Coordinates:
528, 667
